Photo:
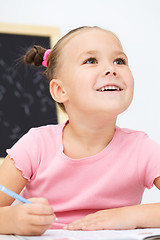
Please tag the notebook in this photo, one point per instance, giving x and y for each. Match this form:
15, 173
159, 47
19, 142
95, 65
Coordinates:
136, 234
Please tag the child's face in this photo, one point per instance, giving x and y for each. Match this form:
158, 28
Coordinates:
94, 60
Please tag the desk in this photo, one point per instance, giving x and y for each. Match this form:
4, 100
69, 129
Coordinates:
137, 234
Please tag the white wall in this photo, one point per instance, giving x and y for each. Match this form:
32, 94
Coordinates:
136, 22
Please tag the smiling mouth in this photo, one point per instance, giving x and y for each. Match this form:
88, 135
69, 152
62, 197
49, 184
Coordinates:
109, 88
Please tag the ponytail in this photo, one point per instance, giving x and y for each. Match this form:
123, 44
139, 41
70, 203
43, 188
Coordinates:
35, 56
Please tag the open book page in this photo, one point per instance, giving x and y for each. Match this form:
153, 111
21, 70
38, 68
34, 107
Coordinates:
137, 234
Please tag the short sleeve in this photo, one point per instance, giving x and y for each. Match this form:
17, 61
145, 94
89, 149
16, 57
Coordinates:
149, 161
25, 154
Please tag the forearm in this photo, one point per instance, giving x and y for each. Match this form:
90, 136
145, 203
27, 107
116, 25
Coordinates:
146, 215
131, 217
6, 220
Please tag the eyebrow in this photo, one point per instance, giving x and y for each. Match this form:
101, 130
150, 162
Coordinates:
121, 53
92, 52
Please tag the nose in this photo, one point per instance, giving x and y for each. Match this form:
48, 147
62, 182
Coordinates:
110, 71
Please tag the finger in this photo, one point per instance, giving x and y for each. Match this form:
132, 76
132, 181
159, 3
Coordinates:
86, 223
38, 220
76, 226
85, 227
39, 230
35, 230
83, 219
39, 200
39, 209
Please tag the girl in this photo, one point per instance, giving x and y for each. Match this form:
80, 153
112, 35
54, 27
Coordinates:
90, 173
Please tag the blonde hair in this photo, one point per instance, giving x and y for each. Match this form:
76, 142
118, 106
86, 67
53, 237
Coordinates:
35, 54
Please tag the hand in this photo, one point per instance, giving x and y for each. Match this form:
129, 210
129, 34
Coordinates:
31, 219
112, 219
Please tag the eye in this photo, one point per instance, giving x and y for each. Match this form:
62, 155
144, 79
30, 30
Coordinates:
91, 61
120, 61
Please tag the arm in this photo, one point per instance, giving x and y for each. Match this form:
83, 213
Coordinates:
22, 219
138, 216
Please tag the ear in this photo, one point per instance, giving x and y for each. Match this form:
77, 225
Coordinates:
57, 91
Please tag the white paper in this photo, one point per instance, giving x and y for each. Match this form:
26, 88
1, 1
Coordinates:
137, 234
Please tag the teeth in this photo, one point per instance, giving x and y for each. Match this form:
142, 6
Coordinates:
109, 88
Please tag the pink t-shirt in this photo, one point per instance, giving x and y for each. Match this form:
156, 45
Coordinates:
114, 177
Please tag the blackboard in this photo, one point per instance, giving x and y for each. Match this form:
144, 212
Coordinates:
25, 101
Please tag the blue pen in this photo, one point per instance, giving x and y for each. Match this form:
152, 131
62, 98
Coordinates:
13, 194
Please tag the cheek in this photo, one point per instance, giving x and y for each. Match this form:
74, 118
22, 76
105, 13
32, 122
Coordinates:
130, 84
79, 82
129, 80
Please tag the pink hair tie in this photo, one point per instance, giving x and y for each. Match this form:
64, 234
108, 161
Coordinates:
47, 52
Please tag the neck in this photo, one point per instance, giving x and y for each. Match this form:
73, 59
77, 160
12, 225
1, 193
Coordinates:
87, 137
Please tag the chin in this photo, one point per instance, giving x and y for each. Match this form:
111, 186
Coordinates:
114, 111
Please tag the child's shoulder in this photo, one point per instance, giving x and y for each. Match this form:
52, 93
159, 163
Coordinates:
47, 130
135, 137
131, 136
127, 131
49, 127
